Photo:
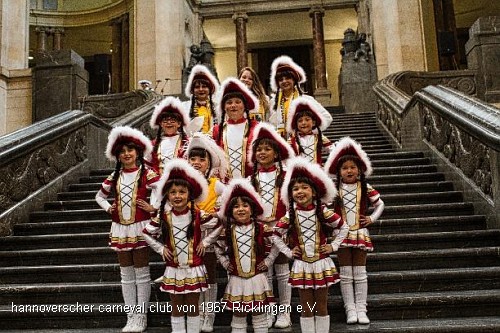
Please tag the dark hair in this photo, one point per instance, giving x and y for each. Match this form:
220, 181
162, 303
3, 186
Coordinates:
362, 179
289, 74
319, 143
192, 111
223, 115
118, 165
166, 188
160, 130
229, 226
317, 203
281, 174
203, 153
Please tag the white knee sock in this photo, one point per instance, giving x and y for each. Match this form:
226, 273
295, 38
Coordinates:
178, 324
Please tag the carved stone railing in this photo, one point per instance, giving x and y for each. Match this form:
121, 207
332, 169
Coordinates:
37, 161
40, 160
458, 132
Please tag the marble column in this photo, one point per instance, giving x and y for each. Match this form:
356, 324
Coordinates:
116, 58
57, 35
321, 92
240, 20
125, 53
41, 45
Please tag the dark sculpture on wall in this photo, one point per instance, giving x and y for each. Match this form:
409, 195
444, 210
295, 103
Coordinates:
200, 54
355, 47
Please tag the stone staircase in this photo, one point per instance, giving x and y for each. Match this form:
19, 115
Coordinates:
435, 268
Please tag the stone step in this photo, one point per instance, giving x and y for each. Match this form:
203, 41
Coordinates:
62, 227
442, 325
439, 279
363, 140
378, 261
436, 186
383, 243
440, 209
386, 226
389, 199
400, 162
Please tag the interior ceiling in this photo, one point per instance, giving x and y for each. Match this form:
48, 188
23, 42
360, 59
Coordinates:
278, 27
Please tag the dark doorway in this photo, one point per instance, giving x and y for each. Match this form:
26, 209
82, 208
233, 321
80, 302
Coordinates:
301, 54
99, 68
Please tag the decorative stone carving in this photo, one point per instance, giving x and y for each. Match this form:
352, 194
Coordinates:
111, 107
464, 151
28, 173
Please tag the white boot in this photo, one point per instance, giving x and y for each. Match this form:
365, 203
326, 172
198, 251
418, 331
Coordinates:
361, 293
193, 324
347, 289
210, 296
202, 307
259, 323
129, 292
285, 294
322, 324
239, 324
270, 316
178, 324
307, 325
143, 282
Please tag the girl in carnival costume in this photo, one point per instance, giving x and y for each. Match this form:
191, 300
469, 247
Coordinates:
201, 86
209, 159
235, 133
175, 234
269, 150
130, 213
171, 121
248, 76
243, 253
306, 190
351, 165
307, 119
286, 77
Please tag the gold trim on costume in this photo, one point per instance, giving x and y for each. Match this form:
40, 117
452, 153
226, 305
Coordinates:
356, 225
132, 203
301, 240
251, 273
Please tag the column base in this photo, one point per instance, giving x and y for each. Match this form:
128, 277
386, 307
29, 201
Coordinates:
323, 96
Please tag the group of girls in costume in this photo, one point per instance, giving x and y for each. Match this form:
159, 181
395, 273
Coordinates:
248, 190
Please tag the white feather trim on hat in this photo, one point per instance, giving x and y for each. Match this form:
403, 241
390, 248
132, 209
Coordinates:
179, 168
145, 82
323, 117
301, 167
232, 85
125, 134
266, 130
285, 62
219, 162
172, 105
238, 187
347, 146
201, 72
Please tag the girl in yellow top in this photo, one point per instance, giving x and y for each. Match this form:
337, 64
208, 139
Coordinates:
286, 77
251, 79
200, 88
209, 159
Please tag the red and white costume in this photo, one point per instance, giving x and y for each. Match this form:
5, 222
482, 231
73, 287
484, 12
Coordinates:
185, 273
309, 142
247, 247
128, 219
313, 269
233, 140
171, 146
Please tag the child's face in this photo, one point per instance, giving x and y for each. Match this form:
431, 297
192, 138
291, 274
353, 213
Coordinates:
200, 163
170, 125
305, 124
247, 78
242, 212
235, 108
265, 155
286, 84
178, 197
201, 91
302, 194
128, 157
349, 172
